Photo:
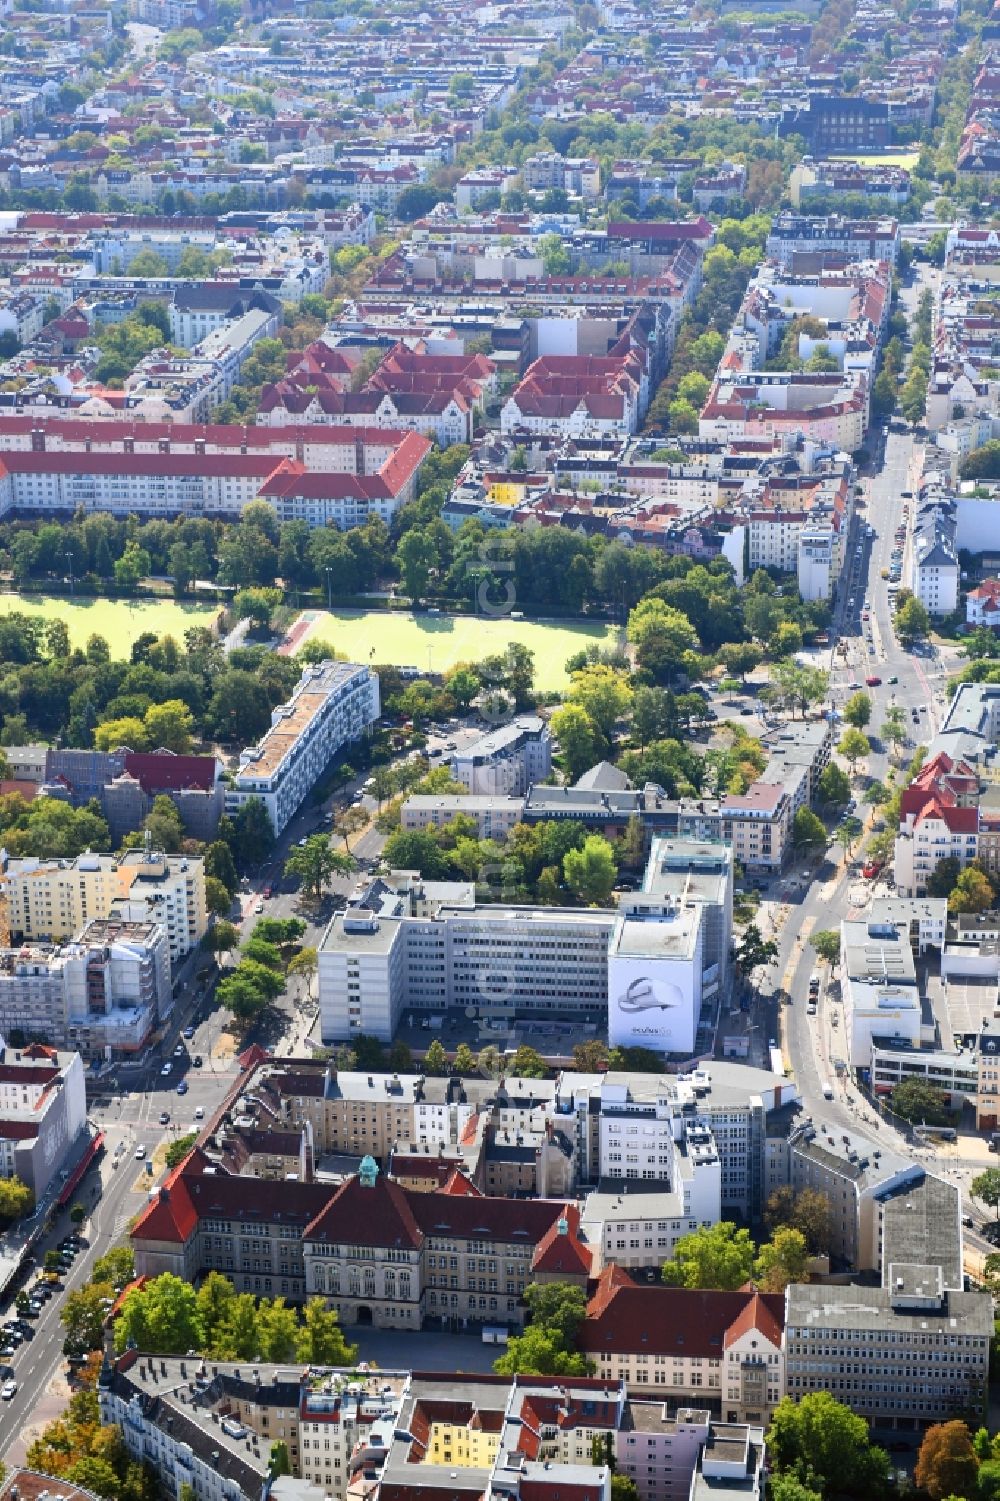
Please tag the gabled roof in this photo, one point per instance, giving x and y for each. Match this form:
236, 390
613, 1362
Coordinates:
561, 1250
380, 1215
623, 1317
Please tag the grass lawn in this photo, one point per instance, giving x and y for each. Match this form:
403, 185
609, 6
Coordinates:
437, 642
906, 159
120, 621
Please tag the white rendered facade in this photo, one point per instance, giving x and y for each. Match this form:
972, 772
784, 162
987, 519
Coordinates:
333, 704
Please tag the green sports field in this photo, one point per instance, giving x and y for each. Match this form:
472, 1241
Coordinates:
905, 159
119, 621
436, 642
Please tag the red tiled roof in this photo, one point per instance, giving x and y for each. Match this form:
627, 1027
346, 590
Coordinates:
623, 1317
380, 1215
561, 1251
155, 771
458, 1182
755, 1315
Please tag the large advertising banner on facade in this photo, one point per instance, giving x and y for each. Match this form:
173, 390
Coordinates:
652, 1003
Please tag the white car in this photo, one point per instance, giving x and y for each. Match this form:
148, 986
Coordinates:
140, 1152
8, 1390
199, 1114
165, 1071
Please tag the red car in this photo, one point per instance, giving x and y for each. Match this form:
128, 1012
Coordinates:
266, 892
873, 682
871, 870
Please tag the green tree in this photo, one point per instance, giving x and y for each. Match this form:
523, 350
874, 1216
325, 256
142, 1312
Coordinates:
807, 1211
178, 1149
942, 879
973, 892
315, 863
781, 1260
916, 1100
464, 1062
754, 950
853, 746
858, 710
248, 990
604, 693
161, 1317
590, 872
253, 835
436, 1060
116, 1266
826, 942
661, 636
222, 938
624, 1488
536, 1353
217, 899
83, 1313
321, 1340
305, 964
717, 1256
808, 831
215, 1298
986, 1188
912, 622
169, 726
279, 1461
947, 1464
848, 833
833, 786
578, 739
826, 1446
528, 1064
16, 1200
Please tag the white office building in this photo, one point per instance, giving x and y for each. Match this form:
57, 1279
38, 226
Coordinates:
879, 987
507, 760
333, 704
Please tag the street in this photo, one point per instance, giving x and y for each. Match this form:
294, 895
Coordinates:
812, 1045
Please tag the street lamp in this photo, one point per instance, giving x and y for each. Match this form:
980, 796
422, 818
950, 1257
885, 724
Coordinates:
69, 559
329, 589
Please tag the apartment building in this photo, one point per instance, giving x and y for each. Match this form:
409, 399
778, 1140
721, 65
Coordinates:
640, 1230
879, 988
939, 819
359, 1114
191, 386
934, 565
756, 824
55, 899
795, 747
334, 703
792, 235
494, 816
721, 1350
882, 1205
579, 175
988, 1076
683, 1455
831, 408
43, 1112
626, 1127
907, 1354
212, 1424
473, 1436
506, 761
102, 993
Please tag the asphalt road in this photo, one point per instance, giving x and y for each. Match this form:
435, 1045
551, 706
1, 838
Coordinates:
813, 1044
